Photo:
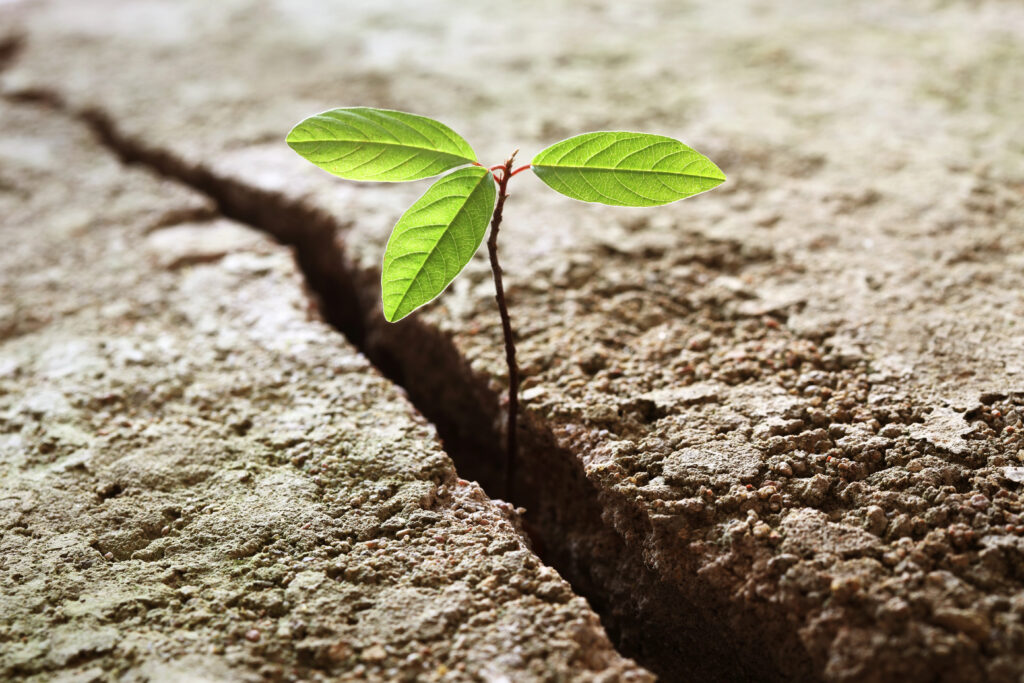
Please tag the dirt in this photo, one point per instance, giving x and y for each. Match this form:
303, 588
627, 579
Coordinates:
201, 480
774, 430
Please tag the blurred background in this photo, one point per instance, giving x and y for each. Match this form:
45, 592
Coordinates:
873, 148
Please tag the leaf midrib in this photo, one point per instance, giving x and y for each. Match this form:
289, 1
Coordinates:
430, 253
386, 144
624, 170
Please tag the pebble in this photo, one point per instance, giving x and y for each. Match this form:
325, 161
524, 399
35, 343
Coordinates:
374, 653
875, 520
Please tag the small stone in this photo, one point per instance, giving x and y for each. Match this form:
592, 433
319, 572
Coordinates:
252, 635
374, 653
845, 587
891, 431
875, 520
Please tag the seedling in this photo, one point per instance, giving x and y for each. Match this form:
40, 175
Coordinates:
435, 239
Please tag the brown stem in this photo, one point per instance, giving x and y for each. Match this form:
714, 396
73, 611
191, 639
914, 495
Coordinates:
506, 327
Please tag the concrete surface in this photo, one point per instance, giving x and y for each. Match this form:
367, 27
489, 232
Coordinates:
772, 431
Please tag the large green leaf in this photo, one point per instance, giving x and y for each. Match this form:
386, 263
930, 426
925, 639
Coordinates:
360, 143
625, 169
435, 239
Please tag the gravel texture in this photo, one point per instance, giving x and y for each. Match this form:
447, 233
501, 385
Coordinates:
774, 430
200, 480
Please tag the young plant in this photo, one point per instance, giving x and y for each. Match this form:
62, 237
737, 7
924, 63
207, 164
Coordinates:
435, 239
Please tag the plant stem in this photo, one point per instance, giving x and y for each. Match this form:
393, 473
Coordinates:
506, 327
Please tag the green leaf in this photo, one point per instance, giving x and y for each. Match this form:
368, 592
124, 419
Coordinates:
359, 143
625, 169
435, 239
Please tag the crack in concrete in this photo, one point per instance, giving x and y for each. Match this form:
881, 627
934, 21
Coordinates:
10, 48
649, 619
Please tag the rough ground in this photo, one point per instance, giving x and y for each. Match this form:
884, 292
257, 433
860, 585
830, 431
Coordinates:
199, 480
774, 430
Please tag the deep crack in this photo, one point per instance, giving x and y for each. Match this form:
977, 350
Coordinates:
10, 48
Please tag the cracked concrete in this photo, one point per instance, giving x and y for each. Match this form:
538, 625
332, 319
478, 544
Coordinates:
203, 481
774, 429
